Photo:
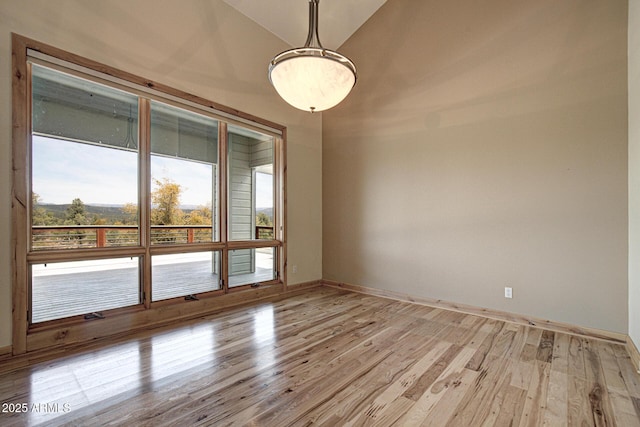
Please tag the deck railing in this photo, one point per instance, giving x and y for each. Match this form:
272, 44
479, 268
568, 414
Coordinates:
264, 232
101, 236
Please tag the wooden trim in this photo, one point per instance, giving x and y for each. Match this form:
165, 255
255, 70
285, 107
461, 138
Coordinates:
186, 248
19, 193
5, 352
282, 194
150, 318
277, 178
304, 285
84, 254
144, 197
180, 299
223, 186
485, 312
140, 81
634, 354
247, 286
57, 324
252, 244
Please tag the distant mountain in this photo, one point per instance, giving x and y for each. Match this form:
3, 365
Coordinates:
108, 212
115, 212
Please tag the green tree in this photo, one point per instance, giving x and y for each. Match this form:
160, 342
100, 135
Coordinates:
76, 213
131, 213
200, 216
263, 219
98, 220
165, 202
39, 215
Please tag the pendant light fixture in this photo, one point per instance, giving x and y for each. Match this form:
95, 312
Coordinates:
312, 78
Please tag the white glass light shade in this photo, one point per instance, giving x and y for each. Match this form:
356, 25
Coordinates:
312, 79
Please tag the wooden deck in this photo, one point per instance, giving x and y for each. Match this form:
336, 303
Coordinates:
64, 293
332, 358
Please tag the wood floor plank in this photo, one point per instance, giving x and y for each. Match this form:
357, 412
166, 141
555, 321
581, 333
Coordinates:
331, 357
445, 407
545, 348
456, 378
422, 383
560, 362
521, 373
575, 361
487, 344
510, 412
391, 371
295, 403
476, 407
557, 405
395, 396
624, 412
631, 380
536, 399
601, 408
271, 382
503, 344
636, 405
579, 409
530, 347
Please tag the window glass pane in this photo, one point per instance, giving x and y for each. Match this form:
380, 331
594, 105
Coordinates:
178, 275
84, 163
66, 289
184, 171
251, 196
249, 266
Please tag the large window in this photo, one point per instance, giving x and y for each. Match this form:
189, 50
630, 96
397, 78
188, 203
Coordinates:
84, 163
138, 198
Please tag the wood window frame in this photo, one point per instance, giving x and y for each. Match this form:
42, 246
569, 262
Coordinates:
25, 337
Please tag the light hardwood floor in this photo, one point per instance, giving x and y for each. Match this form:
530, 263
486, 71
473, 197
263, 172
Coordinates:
331, 357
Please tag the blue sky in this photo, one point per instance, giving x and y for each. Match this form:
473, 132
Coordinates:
63, 171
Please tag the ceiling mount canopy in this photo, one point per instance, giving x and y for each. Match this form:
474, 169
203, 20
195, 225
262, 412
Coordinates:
312, 78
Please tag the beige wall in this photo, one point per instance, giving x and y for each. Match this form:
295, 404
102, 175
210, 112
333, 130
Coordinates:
202, 47
484, 146
634, 171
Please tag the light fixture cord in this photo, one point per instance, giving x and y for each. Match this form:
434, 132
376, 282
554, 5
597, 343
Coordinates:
312, 39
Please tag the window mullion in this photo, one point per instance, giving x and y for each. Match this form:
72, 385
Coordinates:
144, 202
278, 206
223, 205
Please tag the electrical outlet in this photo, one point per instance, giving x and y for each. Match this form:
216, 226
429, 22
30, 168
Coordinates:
508, 292
295, 269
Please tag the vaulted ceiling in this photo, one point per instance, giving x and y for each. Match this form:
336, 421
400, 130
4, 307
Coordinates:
289, 19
